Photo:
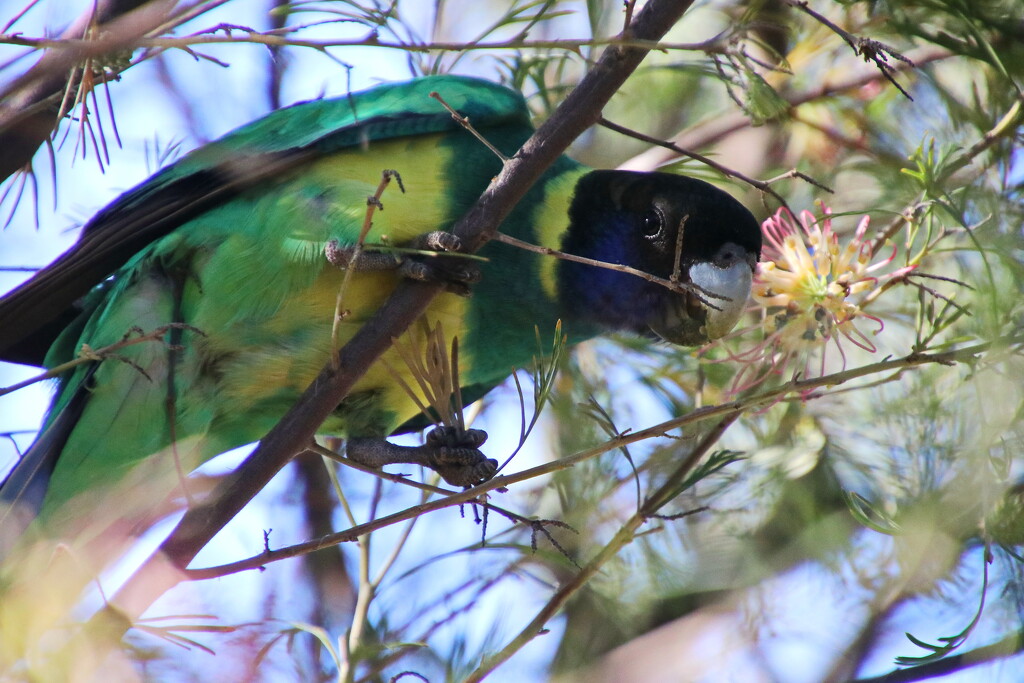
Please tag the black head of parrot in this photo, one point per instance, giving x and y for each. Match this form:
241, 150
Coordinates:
661, 224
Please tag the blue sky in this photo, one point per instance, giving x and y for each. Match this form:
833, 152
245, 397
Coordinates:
226, 96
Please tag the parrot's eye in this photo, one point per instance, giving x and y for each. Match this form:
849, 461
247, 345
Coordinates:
654, 220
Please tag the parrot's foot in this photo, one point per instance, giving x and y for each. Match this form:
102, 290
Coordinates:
441, 265
452, 453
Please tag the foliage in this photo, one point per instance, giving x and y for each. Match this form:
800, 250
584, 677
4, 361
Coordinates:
712, 497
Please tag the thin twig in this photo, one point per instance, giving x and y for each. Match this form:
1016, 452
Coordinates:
717, 128
89, 355
373, 203
763, 186
678, 287
729, 410
870, 50
465, 123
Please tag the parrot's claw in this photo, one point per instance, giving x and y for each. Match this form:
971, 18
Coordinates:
457, 276
457, 273
456, 456
366, 260
452, 453
438, 240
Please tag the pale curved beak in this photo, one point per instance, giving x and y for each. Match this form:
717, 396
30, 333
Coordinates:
690, 322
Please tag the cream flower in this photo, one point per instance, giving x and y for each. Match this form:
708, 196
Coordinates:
809, 287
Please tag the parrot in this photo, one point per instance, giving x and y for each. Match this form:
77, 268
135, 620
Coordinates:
237, 252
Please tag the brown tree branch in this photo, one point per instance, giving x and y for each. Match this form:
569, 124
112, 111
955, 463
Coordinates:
715, 129
28, 112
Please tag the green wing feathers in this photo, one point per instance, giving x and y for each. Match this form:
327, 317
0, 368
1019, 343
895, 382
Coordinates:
247, 275
284, 142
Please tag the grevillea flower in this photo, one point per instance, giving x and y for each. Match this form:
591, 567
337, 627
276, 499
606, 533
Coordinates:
810, 288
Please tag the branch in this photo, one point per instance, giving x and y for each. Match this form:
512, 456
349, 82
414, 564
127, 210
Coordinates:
763, 186
728, 412
715, 129
327, 540
27, 114
581, 109
279, 39
870, 50
88, 355
1007, 647
622, 538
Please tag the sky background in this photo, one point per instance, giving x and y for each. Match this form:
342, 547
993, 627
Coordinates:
143, 106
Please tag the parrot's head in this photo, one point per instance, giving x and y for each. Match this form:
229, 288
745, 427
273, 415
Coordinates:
669, 226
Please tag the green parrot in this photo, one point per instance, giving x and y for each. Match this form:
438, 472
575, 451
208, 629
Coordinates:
244, 243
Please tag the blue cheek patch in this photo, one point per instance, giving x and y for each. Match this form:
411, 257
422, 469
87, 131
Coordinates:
618, 300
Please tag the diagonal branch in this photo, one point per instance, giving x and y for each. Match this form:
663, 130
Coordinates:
580, 110
761, 185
